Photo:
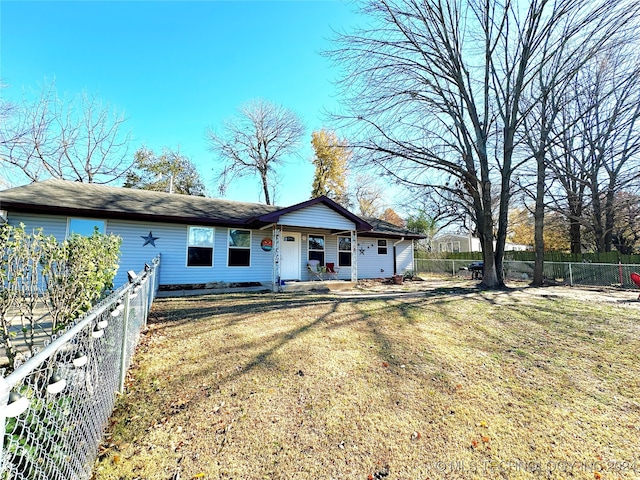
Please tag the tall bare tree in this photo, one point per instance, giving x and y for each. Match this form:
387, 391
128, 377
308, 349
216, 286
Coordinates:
368, 195
256, 141
596, 155
79, 139
433, 91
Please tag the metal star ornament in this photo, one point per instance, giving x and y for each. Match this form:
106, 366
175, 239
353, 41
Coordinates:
149, 239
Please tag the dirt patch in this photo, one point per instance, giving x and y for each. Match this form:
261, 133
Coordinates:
610, 295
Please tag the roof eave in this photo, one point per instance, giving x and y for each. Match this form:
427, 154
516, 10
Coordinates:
99, 213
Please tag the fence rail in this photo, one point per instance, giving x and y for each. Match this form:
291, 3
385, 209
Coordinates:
568, 273
54, 407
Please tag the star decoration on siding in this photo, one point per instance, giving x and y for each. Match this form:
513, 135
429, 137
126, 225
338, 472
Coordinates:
149, 239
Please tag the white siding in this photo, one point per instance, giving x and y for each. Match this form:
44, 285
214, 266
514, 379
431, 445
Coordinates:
317, 215
50, 224
370, 264
373, 265
171, 243
404, 256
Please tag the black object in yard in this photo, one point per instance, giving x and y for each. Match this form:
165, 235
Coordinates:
476, 269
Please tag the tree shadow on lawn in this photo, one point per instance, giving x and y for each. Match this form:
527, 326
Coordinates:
387, 328
201, 313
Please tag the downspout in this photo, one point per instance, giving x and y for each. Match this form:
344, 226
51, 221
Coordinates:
395, 260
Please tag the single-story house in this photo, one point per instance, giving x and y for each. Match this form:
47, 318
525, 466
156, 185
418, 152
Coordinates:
453, 243
203, 240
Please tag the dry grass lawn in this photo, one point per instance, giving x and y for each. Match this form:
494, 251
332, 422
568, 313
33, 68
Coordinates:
455, 383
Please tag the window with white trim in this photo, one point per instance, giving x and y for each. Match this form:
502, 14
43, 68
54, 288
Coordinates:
382, 247
344, 251
316, 248
200, 246
239, 248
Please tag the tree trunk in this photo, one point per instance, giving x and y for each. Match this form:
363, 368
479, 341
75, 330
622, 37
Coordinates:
575, 236
598, 229
609, 212
538, 217
265, 187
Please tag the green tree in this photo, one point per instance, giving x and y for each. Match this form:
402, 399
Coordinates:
421, 222
331, 158
170, 172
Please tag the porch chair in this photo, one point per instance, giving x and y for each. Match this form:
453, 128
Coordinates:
314, 270
332, 272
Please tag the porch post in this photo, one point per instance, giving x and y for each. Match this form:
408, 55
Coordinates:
354, 256
276, 259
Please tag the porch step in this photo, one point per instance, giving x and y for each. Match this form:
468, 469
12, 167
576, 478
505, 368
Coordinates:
324, 286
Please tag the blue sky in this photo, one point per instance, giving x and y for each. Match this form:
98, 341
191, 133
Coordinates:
177, 68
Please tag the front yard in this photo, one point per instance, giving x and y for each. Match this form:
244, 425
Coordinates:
447, 383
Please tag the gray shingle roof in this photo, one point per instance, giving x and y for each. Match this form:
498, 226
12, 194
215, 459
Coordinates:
389, 229
90, 199
94, 200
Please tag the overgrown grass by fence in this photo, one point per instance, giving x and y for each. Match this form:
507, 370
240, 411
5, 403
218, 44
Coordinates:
54, 407
585, 274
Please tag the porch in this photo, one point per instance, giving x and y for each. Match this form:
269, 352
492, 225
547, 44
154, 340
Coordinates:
323, 286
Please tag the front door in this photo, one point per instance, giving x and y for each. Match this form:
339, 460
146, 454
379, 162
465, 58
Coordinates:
290, 256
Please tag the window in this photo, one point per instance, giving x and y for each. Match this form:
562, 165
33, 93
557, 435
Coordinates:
239, 248
449, 247
200, 247
344, 251
85, 226
316, 248
382, 247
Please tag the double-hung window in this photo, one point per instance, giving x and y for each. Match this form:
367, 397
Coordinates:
316, 248
239, 248
382, 247
344, 251
200, 247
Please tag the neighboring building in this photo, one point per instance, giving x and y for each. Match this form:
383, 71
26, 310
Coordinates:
204, 240
454, 243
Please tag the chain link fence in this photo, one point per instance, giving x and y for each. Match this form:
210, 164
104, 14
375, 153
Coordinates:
565, 273
54, 406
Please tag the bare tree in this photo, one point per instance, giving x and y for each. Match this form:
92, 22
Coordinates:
368, 195
256, 141
596, 154
78, 139
434, 89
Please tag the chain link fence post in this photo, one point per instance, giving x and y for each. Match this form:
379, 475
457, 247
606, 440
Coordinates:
123, 346
570, 275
